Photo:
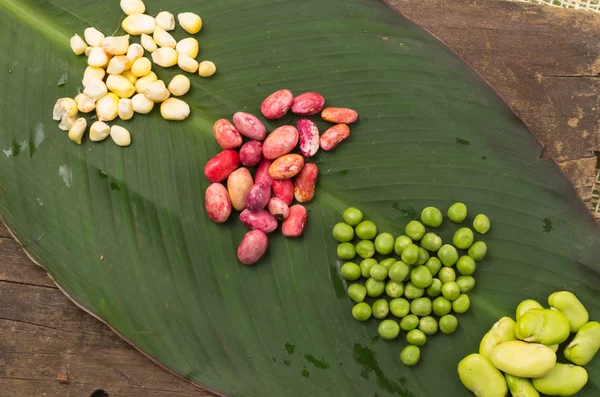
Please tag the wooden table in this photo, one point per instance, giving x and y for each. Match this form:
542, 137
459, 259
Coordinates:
544, 61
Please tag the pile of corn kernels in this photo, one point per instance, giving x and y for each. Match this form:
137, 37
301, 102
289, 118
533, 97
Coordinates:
128, 72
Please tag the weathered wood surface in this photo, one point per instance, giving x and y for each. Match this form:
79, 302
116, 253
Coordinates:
543, 60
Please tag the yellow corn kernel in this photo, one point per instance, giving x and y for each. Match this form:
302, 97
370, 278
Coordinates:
165, 20
165, 57
131, 7
120, 86
65, 110
77, 130
190, 22
141, 67
98, 58
187, 64
99, 131
85, 103
206, 69
187, 46
136, 24
129, 76
141, 104
92, 73
142, 82
125, 108
163, 38
157, 91
174, 109
78, 45
179, 85
148, 43
135, 52
107, 107
96, 89
116, 45
118, 64
93, 37
120, 135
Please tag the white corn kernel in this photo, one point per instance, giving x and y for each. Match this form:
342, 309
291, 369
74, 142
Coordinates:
93, 37
174, 109
96, 89
163, 38
88, 50
118, 64
187, 64
141, 104
131, 7
77, 130
92, 73
190, 22
116, 45
148, 43
142, 82
206, 69
135, 52
120, 86
137, 24
179, 85
188, 46
85, 103
78, 45
141, 67
107, 107
120, 135
129, 76
66, 122
99, 131
157, 91
125, 108
98, 58
65, 110
165, 57
165, 20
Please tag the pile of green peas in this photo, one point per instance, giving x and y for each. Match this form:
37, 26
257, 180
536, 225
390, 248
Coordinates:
415, 287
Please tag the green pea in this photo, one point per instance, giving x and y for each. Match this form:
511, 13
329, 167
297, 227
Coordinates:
374, 287
441, 306
466, 284
380, 308
463, 238
421, 277
410, 355
450, 290
448, 324
481, 224
461, 304
384, 243
399, 271
394, 289
346, 251
585, 345
365, 249
446, 274
434, 265
366, 265
401, 243
357, 292
409, 322
466, 265
379, 272
361, 311
431, 216
428, 325
388, 329
413, 292
421, 307
423, 257
478, 250
568, 304
350, 271
343, 232
416, 337
431, 242
388, 263
457, 212
366, 230
352, 216
527, 305
448, 255
410, 254
435, 289
399, 307
415, 230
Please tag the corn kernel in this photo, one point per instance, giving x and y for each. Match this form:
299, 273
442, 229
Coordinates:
88, 50
179, 85
78, 45
96, 89
92, 73
157, 91
174, 109
77, 130
116, 45
93, 37
99, 131
107, 107
131, 7
129, 76
98, 58
136, 24
188, 46
141, 67
206, 69
165, 57
141, 104
165, 20
65, 110
120, 86
187, 64
135, 52
125, 108
85, 103
142, 82
148, 43
120, 135
118, 64
163, 38
190, 22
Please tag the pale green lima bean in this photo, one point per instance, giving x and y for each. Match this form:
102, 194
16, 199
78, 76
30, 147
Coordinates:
554, 347
568, 304
521, 387
544, 326
502, 331
562, 380
478, 375
527, 305
585, 345
522, 359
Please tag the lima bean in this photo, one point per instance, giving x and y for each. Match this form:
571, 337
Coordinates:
562, 380
585, 345
478, 375
568, 304
527, 305
521, 387
522, 359
544, 326
502, 331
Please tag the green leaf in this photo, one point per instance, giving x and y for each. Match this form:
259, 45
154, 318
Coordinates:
125, 234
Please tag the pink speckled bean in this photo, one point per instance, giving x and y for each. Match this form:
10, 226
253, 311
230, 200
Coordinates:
308, 104
239, 184
293, 226
333, 136
258, 196
283, 189
339, 115
250, 126
309, 137
286, 166
251, 153
219, 167
262, 171
304, 183
259, 220
281, 141
252, 247
217, 203
278, 208
227, 136
276, 105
